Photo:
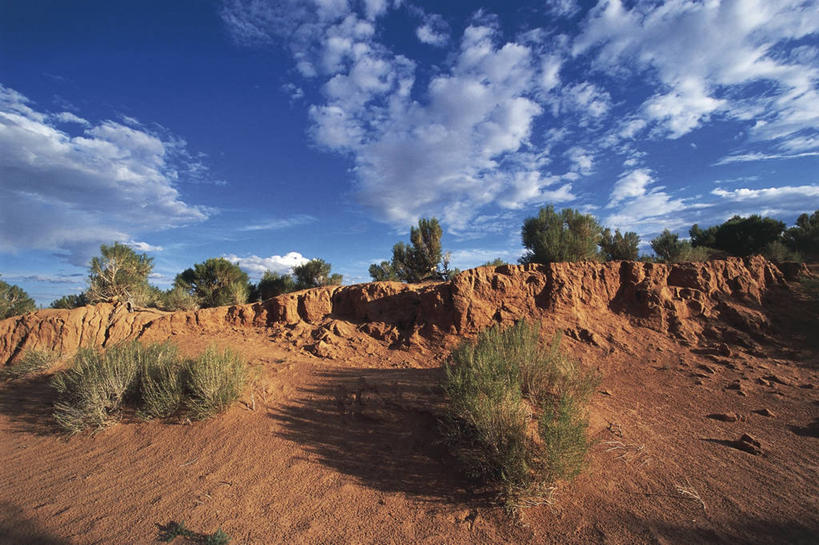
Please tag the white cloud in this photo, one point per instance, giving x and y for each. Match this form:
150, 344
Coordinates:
582, 159
144, 246
748, 157
281, 223
256, 266
433, 31
109, 183
800, 195
68, 117
631, 184
704, 54
562, 8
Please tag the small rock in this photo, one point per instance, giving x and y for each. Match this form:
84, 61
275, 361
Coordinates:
726, 417
706, 368
764, 412
749, 444
606, 393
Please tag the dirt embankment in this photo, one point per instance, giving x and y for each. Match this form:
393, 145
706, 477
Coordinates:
699, 304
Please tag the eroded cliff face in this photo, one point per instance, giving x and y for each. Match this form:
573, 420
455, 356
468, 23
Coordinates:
694, 303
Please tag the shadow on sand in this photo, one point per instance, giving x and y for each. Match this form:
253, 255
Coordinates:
379, 426
17, 529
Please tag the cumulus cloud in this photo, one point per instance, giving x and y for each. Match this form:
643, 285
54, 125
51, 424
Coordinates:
433, 31
109, 183
256, 266
773, 200
144, 246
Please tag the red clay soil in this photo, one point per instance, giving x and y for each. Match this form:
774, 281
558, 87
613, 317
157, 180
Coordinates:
706, 421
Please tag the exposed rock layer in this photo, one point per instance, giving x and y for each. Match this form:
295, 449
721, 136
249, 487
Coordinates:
693, 302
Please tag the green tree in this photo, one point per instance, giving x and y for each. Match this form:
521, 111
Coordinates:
315, 273
14, 300
273, 284
668, 246
70, 301
739, 236
418, 261
804, 236
565, 236
382, 272
497, 262
619, 247
214, 283
119, 274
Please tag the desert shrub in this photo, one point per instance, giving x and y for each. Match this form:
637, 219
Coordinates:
31, 362
738, 236
315, 273
70, 301
495, 386
273, 284
174, 529
161, 381
91, 391
214, 380
420, 260
152, 379
803, 238
779, 252
618, 246
215, 282
119, 274
670, 249
553, 236
497, 262
14, 300
176, 299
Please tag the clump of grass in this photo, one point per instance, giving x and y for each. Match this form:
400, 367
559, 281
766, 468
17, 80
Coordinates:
214, 381
91, 391
153, 379
174, 529
161, 381
516, 414
30, 363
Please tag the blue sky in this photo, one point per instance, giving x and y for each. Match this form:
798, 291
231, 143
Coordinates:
272, 132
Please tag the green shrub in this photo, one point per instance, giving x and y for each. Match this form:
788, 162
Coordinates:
153, 379
31, 362
14, 301
567, 235
618, 246
176, 299
92, 390
315, 273
739, 236
499, 384
161, 381
214, 283
214, 381
70, 301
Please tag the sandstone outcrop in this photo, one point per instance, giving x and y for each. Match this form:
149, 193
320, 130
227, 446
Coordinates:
697, 303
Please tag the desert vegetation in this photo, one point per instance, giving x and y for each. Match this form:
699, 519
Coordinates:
30, 363
14, 300
119, 274
151, 379
516, 414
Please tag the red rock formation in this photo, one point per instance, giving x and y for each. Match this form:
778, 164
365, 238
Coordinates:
689, 301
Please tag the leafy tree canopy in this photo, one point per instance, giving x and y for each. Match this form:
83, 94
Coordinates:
804, 236
14, 300
419, 261
619, 247
119, 274
315, 273
739, 236
565, 236
214, 283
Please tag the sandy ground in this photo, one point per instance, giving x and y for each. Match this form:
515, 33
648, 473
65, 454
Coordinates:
347, 451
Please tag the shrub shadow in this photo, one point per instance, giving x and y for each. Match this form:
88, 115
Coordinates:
28, 403
17, 529
380, 426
